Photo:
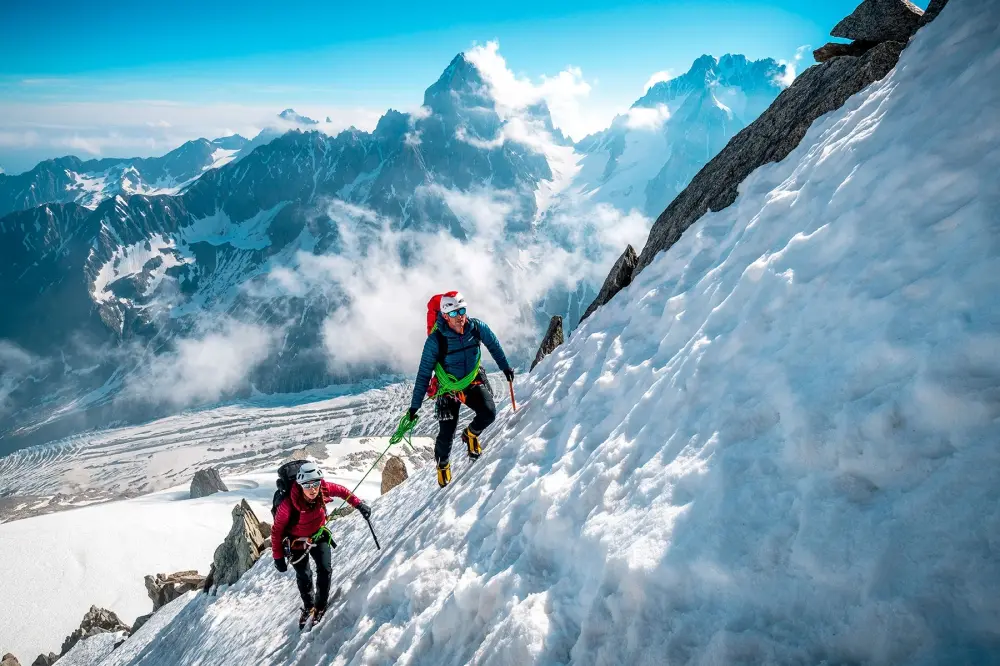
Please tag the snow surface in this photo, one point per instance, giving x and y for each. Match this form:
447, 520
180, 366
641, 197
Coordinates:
91, 650
778, 447
99, 555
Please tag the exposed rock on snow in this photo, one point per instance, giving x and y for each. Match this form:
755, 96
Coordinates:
45, 659
207, 482
242, 547
620, 277
95, 621
139, 621
835, 49
819, 90
554, 336
163, 589
880, 21
9, 660
393, 474
933, 9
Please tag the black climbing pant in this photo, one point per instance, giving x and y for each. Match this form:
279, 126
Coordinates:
322, 556
477, 398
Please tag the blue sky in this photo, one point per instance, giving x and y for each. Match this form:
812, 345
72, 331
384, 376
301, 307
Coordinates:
134, 79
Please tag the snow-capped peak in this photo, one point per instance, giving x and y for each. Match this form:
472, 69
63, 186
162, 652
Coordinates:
292, 116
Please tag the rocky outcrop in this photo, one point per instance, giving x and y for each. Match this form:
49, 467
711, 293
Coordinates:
207, 482
45, 659
620, 277
393, 474
139, 621
265, 529
835, 49
9, 660
818, 90
163, 589
554, 336
880, 21
933, 9
95, 621
241, 548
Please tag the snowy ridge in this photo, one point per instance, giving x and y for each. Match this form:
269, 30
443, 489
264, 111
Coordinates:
780, 448
185, 533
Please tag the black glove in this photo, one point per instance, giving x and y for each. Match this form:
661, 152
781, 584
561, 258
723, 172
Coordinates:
509, 374
412, 413
364, 510
281, 565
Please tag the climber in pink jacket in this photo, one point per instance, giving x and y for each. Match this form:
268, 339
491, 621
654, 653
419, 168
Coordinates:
299, 517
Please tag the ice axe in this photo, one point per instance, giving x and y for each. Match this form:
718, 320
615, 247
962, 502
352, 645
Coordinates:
373, 533
512, 400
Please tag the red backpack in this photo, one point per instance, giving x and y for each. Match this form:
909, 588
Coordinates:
433, 308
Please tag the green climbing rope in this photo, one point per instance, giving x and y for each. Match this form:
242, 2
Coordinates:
447, 383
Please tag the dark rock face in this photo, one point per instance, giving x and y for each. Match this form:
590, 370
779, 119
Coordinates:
834, 50
880, 21
554, 336
207, 482
139, 621
393, 474
95, 621
45, 659
241, 548
620, 276
819, 90
163, 589
933, 9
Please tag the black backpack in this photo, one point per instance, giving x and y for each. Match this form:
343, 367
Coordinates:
286, 477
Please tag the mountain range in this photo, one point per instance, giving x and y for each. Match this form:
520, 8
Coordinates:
111, 263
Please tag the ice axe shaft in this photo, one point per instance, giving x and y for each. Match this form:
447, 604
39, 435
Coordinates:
512, 400
373, 533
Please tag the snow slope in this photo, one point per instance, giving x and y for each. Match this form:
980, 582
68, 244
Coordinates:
778, 447
100, 554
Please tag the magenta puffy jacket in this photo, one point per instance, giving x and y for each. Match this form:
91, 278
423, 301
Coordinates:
311, 516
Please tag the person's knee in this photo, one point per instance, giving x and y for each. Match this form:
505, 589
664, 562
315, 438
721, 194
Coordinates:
488, 415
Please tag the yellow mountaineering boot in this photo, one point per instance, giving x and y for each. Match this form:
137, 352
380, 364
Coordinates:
471, 440
444, 473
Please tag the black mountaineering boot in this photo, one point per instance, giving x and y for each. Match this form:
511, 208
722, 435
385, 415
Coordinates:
318, 615
304, 617
444, 473
471, 440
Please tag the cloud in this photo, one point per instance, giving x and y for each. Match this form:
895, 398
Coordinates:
787, 75
205, 367
462, 135
644, 118
503, 275
16, 365
800, 52
657, 77
564, 93
32, 132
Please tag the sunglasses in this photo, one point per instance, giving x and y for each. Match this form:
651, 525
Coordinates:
456, 313
309, 485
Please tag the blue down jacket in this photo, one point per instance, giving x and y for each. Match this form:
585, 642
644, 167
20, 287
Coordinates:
462, 353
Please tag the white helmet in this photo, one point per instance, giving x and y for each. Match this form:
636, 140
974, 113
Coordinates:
309, 471
450, 303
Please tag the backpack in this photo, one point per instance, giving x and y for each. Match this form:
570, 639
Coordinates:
286, 478
433, 308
